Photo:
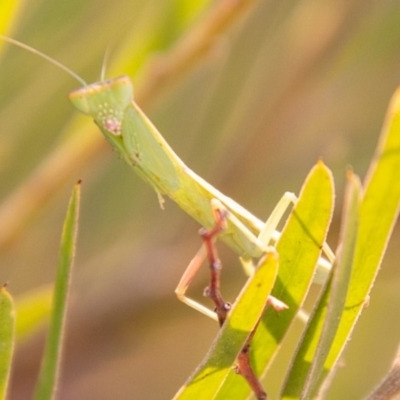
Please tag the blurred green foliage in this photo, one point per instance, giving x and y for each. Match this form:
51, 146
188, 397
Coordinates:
7, 330
33, 309
290, 82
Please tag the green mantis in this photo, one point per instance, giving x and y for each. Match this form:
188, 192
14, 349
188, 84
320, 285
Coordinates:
137, 141
110, 103
141, 146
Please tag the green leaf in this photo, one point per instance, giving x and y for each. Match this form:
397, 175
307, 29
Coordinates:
7, 328
306, 369
52, 355
299, 249
33, 310
378, 214
244, 316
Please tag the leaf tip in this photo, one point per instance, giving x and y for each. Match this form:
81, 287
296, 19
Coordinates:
322, 168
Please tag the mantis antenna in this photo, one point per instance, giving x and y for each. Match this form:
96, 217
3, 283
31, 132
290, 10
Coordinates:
46, 57
104, 64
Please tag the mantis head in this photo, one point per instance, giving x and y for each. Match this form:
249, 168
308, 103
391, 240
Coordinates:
105, 102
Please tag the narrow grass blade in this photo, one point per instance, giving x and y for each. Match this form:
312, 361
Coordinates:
378, 214
51, 360
299, 248
7, 328
304, 376
33, 310
246, 312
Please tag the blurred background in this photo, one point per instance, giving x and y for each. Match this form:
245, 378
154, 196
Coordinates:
284, 84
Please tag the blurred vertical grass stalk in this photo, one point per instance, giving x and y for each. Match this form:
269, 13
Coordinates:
48, 377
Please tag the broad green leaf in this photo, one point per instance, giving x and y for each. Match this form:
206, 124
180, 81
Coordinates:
298, 249
303, 376
378, 214
33, 309
52, 355
7, 328
244, 316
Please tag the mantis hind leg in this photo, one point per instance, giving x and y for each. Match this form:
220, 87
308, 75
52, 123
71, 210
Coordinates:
186, 279
208, 250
